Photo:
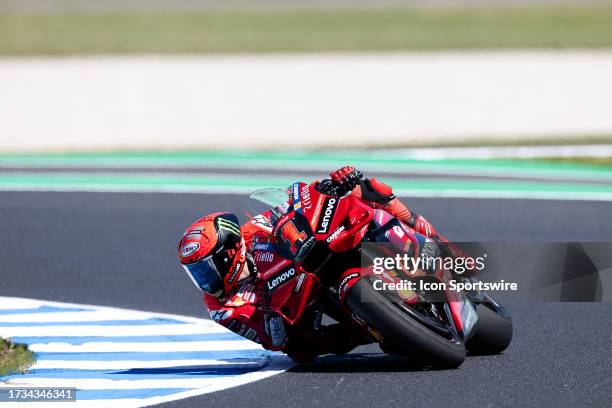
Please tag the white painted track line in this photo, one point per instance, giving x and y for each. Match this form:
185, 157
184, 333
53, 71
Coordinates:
154, 330
212, 345
128, 364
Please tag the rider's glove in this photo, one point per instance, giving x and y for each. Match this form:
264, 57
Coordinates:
327, 187
430, 251
376, 191
345, 179
421, 225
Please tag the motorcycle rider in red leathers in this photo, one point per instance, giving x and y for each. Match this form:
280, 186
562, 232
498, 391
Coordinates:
224, 260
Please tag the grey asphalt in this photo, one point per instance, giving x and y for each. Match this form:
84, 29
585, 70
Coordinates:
119, 250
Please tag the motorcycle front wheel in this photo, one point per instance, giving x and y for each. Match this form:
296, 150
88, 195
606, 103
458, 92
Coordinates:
407, 335
493, 331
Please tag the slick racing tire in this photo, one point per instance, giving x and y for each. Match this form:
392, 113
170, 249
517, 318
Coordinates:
406, 335
493, 332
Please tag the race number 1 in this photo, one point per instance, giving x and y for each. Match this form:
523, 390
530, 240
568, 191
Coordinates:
292, 237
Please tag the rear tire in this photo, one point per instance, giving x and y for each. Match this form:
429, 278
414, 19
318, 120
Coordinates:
493, 332
406, 335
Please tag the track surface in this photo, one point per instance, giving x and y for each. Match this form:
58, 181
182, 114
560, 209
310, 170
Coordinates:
119, 250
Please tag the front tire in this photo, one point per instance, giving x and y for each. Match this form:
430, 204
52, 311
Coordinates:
493, 332
405, 334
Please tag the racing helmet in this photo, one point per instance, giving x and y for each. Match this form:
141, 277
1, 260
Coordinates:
213, 253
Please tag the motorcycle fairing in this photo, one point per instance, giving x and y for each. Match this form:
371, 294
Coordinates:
340, 224
293, 294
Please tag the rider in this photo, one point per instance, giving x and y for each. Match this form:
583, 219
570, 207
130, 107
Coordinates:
220, 257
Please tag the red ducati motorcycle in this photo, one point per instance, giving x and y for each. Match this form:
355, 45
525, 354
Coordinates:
328, 237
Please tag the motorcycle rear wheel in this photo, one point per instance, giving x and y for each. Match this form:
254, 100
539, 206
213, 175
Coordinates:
406, 335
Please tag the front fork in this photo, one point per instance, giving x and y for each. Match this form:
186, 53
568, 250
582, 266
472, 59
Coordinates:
460, 309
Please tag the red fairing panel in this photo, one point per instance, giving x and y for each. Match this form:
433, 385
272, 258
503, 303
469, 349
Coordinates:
292, 296
350, 224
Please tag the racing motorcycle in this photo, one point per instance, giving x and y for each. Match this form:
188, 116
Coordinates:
327, 236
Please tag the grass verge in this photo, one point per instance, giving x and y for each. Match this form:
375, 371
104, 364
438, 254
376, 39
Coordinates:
308, 30
14, 358
591, 161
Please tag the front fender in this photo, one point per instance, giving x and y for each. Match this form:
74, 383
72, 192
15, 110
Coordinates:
349, 278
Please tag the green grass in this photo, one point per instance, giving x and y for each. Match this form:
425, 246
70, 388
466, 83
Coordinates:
14, 358
592, 161
312, 30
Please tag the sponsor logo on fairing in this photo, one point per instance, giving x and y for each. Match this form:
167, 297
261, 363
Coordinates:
305, 249
306, 201
317, 211
189, 248
237, 327
329, 208
264, 256
263, 246
295, 196
280, 264
281, 278
300, 282
335, 234
343, 284
276, 330
250, 334
296, 192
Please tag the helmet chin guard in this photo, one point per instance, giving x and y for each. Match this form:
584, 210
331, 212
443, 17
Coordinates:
238, 264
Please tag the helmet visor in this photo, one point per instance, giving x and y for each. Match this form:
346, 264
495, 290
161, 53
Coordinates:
205, 275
